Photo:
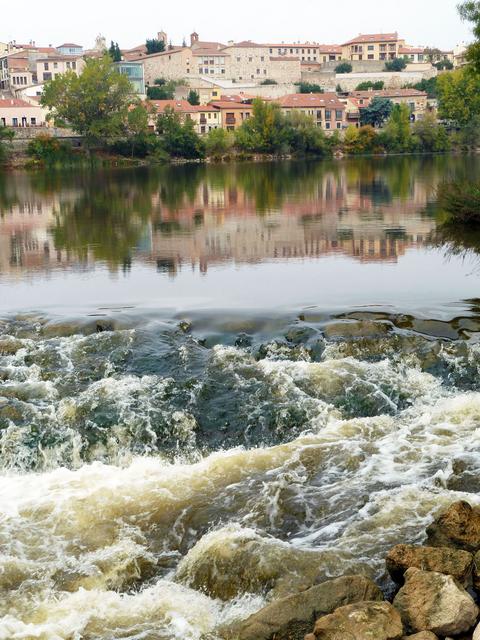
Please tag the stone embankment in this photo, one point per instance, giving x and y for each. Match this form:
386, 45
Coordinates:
438, 586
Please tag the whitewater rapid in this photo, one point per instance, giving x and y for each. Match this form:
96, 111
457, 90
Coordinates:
121, 515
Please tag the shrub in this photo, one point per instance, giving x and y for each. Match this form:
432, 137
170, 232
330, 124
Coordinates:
309, 87
398, 64
367, 86
46, 149
268, 81
179, 139
218, 142
461, 200
344, 67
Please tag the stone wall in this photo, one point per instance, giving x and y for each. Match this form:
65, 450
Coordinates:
328, 80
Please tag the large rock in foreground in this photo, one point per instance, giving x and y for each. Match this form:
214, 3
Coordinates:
445, 560
361, 621
431, 601
294, 616
423, 635
457, 527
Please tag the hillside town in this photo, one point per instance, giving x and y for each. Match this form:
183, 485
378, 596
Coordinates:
226, 78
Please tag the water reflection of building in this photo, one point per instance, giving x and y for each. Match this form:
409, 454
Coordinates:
221, 218
26, 243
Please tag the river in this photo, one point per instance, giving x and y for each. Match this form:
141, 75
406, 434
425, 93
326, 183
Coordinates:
220, 383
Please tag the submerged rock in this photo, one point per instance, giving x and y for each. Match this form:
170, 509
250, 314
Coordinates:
361, 621
445, 560
231, 561
431, 601
294, 616
457, 527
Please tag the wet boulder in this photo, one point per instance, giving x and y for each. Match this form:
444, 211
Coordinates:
458, 527
295, 615
233, 560
445, 560
431, 601
360, 621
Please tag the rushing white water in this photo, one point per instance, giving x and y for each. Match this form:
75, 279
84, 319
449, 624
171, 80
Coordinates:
119, 518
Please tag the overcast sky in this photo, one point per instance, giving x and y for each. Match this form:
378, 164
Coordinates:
420, 22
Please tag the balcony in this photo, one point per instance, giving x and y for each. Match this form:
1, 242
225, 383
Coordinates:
230, 120
203, 120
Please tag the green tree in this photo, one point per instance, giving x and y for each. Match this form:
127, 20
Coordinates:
265, 131
162, 90
377, 112
398, 64
309, 87
94, 104
193, 97
218, 142
459, 96
268, 81
432, 53
178, 138
114, 52
431, 136
428, 86
444, 65
344, 67
6, 137
137, 128
303, 135
470, 11
398, 136
367, 86
155, 46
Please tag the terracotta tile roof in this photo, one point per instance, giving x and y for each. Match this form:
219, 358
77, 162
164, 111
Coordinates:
204, 44
247, 44
180, 106
201, 108
411, 50
313, 100
228, 104
202, 51
161, 53
14, 103
70, 44
373, 37
388, 93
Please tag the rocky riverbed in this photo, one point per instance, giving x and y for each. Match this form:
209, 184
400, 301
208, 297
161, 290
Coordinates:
435, 598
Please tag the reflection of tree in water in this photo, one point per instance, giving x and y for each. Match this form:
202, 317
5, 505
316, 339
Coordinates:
107, 220
459, 240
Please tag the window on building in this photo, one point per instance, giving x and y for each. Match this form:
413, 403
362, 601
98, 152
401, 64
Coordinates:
203, 129
371, 47
328, 114
55, 65
74, 64
338, 114
33, 122
271, 51
327, 125
250, 59
45, 66
371, 56
258, 72
15, 122
339, 125
47, 76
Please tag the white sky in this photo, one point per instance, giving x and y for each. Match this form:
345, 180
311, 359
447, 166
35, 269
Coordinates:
420, 22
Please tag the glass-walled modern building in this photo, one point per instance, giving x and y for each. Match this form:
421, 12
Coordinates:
134, 72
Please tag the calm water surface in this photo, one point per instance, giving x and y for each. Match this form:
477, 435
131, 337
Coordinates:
219, 384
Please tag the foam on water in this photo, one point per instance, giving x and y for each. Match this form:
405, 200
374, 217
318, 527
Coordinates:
117, 520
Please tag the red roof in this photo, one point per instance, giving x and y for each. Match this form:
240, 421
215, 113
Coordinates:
229, 104
12, 103
411, 50
312, 100
388, 93
373, 37
180, 106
